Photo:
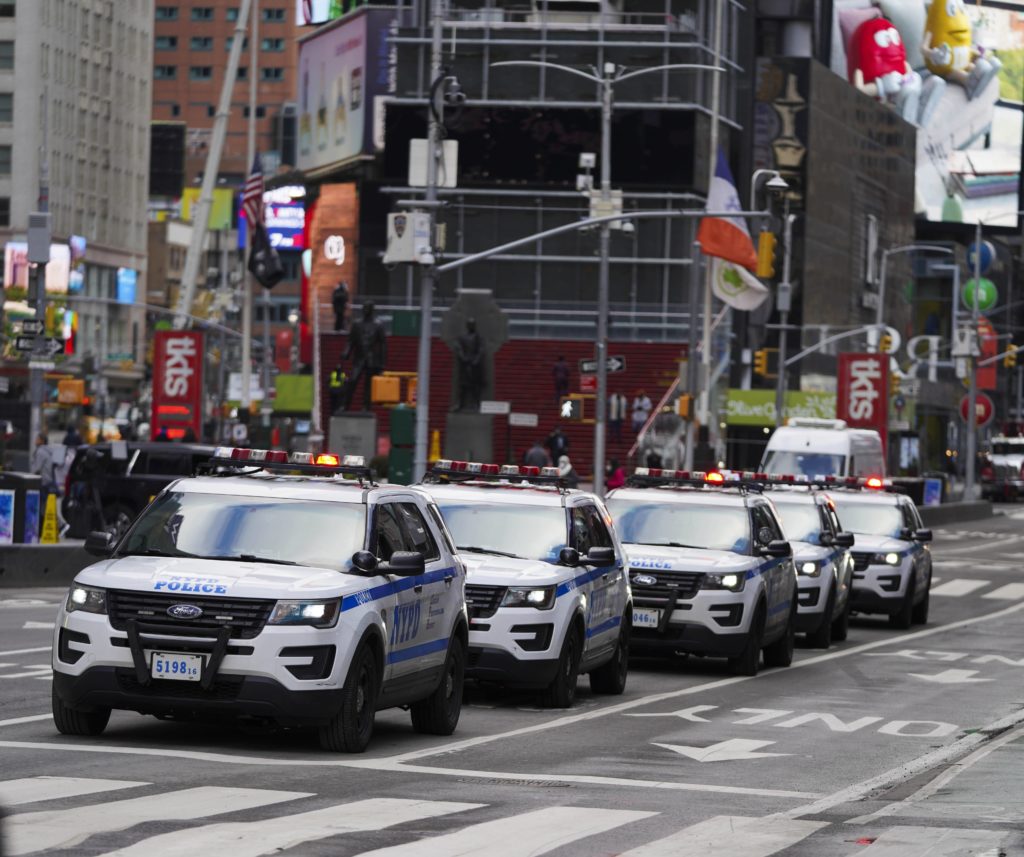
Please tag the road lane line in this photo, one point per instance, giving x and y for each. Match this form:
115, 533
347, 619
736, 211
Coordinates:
26, 651
1010, 592
531, 833
960, 586
30, 832
731, 836
272, 835
932, 842
34, 789
32, 718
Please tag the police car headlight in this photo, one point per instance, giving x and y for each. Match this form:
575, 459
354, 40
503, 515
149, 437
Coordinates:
87, 598
810, 569
732, 582
885, 559
540, 597
319, 614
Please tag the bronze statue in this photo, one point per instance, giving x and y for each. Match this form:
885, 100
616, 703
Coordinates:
469, 355
367, 346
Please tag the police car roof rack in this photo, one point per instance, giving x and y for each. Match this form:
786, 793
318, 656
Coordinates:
240, 461
651, 477
834, 483
471, 471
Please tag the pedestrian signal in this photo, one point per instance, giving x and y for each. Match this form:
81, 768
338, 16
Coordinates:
571, 409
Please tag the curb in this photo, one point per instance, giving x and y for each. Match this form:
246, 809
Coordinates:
954, 513
42, 565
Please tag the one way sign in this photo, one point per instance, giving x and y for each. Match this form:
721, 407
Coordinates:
50, 345
615, 364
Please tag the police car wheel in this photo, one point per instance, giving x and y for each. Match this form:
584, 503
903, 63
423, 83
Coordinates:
438, 714
841, 625
561, 693
920, 613
350, 729
749, 660
821, 638
904, 617
610, 677
780, 653
70, 721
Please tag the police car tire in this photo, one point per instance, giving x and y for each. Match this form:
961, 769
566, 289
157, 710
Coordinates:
749, 660
780, 653
438, 714
904, 617
561, 693
821, 637
350, 729
841, 625
70, 721
610, 677
920, 612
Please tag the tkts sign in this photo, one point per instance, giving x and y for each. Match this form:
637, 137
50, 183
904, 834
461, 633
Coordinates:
177, 383
863, 392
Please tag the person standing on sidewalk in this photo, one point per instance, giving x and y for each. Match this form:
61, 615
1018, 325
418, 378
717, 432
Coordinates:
617, 406
45, 465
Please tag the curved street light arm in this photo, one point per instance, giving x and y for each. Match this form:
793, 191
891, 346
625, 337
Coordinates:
538, 63
670, 67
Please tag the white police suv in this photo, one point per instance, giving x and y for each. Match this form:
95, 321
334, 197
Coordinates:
711, 571
821, 555
547, 592
892, 564
282, 588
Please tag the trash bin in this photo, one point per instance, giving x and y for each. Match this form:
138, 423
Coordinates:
21, 510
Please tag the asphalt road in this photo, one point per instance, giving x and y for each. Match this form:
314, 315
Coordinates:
892, 743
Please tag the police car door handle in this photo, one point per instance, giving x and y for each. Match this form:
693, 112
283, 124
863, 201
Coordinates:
448, 578
418, 587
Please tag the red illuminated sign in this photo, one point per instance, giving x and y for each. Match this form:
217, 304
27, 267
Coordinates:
177, 383
863, 392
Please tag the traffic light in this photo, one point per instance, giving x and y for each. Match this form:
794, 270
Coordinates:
766, 242
570, 409
894, 383
1010, 358
684, 406
761, 360
885, 344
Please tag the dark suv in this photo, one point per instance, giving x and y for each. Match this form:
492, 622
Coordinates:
108, 484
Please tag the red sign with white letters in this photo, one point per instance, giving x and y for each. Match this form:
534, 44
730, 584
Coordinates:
863, 392
177, 383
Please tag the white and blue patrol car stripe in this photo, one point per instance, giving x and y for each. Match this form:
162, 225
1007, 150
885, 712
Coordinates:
393, 587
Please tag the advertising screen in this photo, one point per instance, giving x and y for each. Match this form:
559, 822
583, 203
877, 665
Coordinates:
955, 71
126, 282
284, 213
16, 267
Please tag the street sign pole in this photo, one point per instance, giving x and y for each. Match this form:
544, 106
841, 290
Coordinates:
39, 254
972, 388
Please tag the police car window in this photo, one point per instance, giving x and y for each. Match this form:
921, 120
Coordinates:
600, 537
506, 529
417, 530
764, 518
582, 537
644, 522
800, 521
441, 527
837, 527
870, 518
388, 534
909, 517
249, 529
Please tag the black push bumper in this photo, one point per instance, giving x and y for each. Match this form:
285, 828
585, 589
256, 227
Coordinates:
496, 665
689, 639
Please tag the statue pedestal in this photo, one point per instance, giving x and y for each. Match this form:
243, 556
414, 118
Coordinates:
353, 434
468, 437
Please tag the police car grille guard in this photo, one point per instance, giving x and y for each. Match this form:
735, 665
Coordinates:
483, 601
244, 618
137, 644
680, 584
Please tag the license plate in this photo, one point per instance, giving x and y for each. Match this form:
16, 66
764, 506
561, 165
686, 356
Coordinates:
176, 667
646, 618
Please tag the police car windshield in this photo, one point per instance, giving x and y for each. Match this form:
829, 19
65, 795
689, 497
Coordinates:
505, 529
641, 522
871, 519
800, 521
249, 529
782, 461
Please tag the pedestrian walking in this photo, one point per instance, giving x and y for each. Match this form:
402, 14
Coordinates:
560, 374
536, 456
44, 464
641, 410
557, 443
567, 473
615, 475
617, 407
72, 437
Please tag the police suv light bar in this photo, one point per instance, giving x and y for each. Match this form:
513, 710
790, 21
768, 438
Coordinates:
467, 470
643, 476
279, 461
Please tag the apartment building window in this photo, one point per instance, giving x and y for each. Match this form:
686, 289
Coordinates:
243, 72
167, 13
165, 72
175, 110
260, 112
5, 211
200, 72
273, 15
202, 13
230, 40
6, 55
232, 13
5, 160
271, 74
6, 8
6, 107
272, 45
165, 43
211, 110
200, 43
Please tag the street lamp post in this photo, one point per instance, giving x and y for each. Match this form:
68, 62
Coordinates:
611, 74
892, 251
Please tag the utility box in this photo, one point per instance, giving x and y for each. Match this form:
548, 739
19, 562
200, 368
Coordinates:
409, 237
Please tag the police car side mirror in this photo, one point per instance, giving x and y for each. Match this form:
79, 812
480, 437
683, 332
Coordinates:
923, 536
569, 557
404, 564
364, 561
777, 548
906, 534
844, 540
599, 557
99, 543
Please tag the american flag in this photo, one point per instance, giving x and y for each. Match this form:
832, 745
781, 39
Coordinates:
252, 194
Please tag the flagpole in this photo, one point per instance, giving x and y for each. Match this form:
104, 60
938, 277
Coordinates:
245, 401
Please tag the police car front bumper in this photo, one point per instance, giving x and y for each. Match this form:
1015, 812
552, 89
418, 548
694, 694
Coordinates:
712, 622
518, 646
879, 588
812, 599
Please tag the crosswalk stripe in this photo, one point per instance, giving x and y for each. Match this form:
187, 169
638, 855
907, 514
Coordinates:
1010, 592
251, 839
959, 586
931, 842
529, 833
33, 789
730, 836
38, 831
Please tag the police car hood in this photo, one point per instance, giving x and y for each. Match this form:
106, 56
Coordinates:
877, 544
655, 558
493, 570
186, 576
806, 552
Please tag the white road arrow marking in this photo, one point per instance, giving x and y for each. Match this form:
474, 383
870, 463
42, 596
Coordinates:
691, 714
730, 750
951, 677
37, 626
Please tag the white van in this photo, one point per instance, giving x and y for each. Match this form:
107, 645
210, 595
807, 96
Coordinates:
814, 447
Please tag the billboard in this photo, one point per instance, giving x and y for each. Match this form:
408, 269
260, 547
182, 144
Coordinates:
177, 383
343, 71
953, 71
127, 278
757, 407
863, 392
16, 267
284, 214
